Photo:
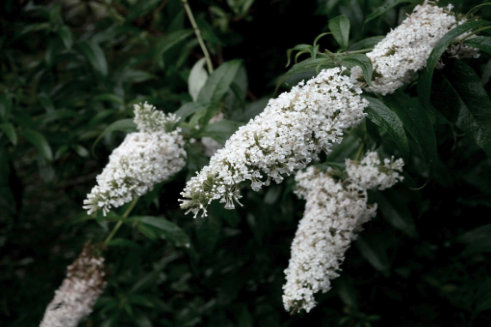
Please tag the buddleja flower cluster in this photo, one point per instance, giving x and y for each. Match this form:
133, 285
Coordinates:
79, 291
406, 49
334, 213
286, 136
142, 160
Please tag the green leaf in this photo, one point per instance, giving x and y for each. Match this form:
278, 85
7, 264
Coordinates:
367, 43
298, 47
172, 233
220, 131
5, 106
136, 76
396, 214
190, 108
81, 150
141, 8
424, 84
197, 78
46, 102
373, 253
307, 65
9, 130
482, 43
169, 41
478, 240
476, 8
218, 84
140, 300
207, 31
95, 56
384, 8
339, 27
416, 121
66, 36
363, 62
460, 97
58, 114
109, 97
141, 320
386, 119
122, 125
38, 140
208, 232
125, 243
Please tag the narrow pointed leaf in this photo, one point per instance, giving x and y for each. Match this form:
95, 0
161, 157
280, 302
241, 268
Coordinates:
363, 62
388, 5
424, 84
94, 55
416, 121
383, 117
339, 27
9, 131
39, 141
460, 97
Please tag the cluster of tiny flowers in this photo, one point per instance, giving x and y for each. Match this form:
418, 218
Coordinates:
142, 160
285, 137
406, 49
78, 293
370, 173
148, 119
334, 214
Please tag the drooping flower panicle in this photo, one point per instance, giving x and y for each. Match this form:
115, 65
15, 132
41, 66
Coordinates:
285, 137
142, 160
79, 291
406, 49
334, 214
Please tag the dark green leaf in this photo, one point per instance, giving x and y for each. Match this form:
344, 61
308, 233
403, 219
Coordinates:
38, 140
384, 8
125, 243
136, 76
66, 36
208, 231
9, 130
298, 47
477, 240
169, 41
307, 65
373, 253
141, 8
123, 125
363, 62
460, 97
218, 83
207, 31
109, 97
141, 320
424, 84
172, 233
220, 131
81, 150
94, 55
416, 121
482, 43
367, 43
190, 108
386, 119
5, 106
396, 214
339, 27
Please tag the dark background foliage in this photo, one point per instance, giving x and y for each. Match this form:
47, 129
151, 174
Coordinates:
69, 69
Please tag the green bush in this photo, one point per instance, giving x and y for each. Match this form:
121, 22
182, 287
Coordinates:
71, 72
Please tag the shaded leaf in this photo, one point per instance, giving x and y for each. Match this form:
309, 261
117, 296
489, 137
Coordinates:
424, 84
9, 130
38, 140
220, 131
460, 97
94, 54
386, 119
122, 125
384, 8
373, 253
361, 61
340, 27
417, 123
169, 41
173, 233
367, 43
66, 36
